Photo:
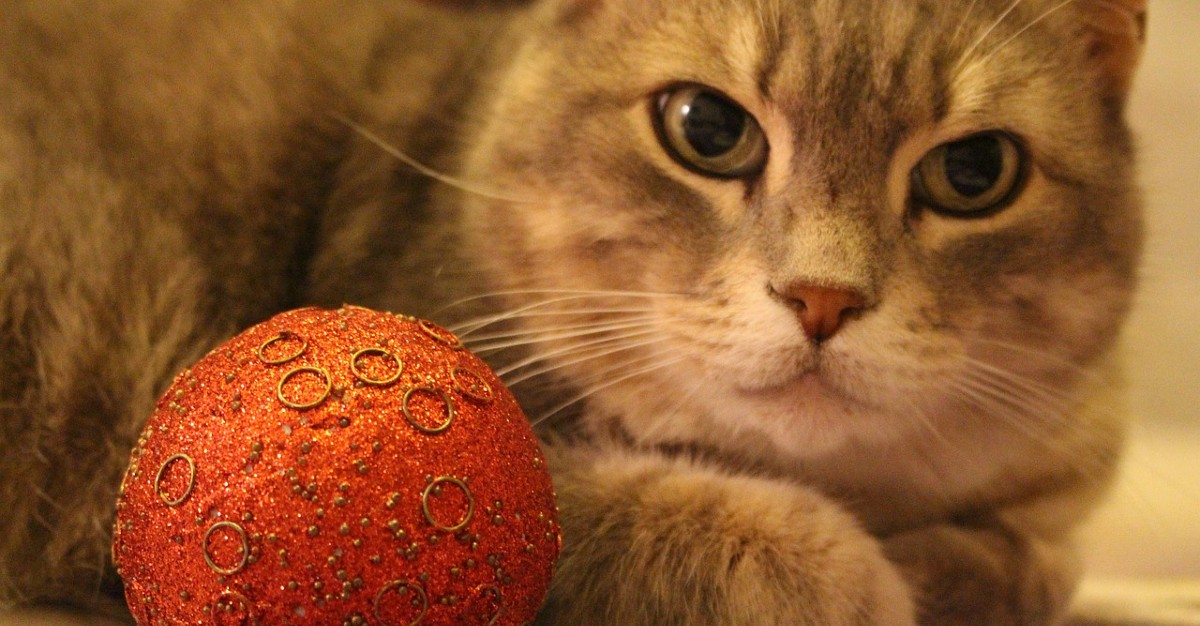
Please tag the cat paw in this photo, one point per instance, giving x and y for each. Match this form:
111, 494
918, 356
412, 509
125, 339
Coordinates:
652, 540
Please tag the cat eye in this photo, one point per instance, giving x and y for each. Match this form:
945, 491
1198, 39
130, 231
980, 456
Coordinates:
710, 134
971, 176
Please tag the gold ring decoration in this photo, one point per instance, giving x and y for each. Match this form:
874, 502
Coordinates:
226, 571
480, 391
125, 483
399, 586
283, 336
440, 428
304, 405
440, 335
495, 591
378, 382
429, 513
173, 502
228, 598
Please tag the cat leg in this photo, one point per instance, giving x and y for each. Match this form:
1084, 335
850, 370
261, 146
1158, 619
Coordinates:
989, 572
652, 540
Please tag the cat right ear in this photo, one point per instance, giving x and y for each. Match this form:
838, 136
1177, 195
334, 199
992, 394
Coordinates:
1116, 31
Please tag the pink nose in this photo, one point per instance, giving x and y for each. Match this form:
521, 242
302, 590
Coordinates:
822, 310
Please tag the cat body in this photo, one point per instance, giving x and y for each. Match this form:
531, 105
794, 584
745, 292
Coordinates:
792, 365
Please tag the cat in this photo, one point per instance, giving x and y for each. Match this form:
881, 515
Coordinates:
813, 301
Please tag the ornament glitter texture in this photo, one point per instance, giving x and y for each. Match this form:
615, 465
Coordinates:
337, 467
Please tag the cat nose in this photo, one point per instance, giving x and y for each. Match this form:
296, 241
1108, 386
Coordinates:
822, 310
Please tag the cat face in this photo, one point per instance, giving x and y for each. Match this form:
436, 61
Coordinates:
812, 223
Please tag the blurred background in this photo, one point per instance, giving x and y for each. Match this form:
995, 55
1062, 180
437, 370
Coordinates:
1147, 539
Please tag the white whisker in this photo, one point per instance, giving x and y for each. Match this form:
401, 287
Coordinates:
596, 389
655, 427
603, 352
982, 38
1039, 390
1028, 352
466, 328
559, 292
966, 17
568, 331
532, 341
1024, 29
423, 169
605, 340
920, 413
995, 402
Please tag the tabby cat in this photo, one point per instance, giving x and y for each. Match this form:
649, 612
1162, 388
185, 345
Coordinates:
814, 301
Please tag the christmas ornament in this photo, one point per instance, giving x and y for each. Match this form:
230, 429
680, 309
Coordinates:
337, 467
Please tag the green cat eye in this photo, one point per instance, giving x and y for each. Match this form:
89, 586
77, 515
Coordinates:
971, 176
710, 134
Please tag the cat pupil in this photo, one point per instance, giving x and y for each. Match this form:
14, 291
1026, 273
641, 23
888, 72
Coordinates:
712, 125
974, 165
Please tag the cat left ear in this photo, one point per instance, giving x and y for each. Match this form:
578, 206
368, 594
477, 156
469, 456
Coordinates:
1117, 32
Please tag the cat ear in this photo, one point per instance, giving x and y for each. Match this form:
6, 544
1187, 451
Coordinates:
1117, 33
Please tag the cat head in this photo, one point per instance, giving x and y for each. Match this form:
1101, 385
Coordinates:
811, 223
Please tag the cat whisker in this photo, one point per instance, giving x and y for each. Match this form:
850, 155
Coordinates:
966, 17
996, 401
1027, 353
966, 57
1036, 400
1034, 22
603, 340
596, 293
1020, 383
921, 414
589, 392
537, 337
653, 430
596, 352
467, 328
1040, 419
578, 348
525, 332
425, 170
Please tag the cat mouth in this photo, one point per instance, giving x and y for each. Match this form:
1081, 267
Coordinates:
810, 380
811, 387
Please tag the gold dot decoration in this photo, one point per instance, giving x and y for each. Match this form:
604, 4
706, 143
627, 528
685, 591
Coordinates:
278, 343
162, 473
434, 489
447, 403
419, 603
211, 559
364, 376
311, 402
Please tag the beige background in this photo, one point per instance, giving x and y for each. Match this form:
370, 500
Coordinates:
1144, 546
1152, 525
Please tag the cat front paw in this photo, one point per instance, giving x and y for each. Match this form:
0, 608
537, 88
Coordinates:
650, 540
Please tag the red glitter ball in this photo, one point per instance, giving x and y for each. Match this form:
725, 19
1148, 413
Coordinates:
337, 467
